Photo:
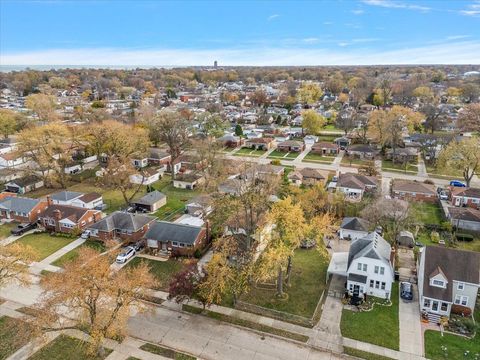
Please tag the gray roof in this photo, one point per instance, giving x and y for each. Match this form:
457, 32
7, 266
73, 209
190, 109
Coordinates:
164, 231
24, 181
372, 246
18, 204
120, 220
151, 198
459, 265
355, 223
357, 278
65, 195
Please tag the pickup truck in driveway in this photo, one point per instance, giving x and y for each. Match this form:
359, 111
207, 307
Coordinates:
23, 228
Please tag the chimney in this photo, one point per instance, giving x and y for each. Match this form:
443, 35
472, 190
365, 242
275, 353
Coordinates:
57, 215
392, 256
49, 200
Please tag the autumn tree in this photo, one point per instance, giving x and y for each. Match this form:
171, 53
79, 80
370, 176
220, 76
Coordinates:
185, 285
434, 117
462, 156
212, 124
312, 122
469, 118
384, 88
259, 97
309, 93
14, 264
470, 92
423, 93
8, 122
96, 299
43, 105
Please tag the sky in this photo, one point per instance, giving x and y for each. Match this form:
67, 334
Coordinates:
239, 33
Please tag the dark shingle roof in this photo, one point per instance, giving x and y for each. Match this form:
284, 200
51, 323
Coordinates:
465, 214
18, 204
151, 198
72, 213
413, 187
65, 195
122, 221
164, 231
356, 181
355, 223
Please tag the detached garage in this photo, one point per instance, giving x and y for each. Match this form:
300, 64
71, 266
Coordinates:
151, 202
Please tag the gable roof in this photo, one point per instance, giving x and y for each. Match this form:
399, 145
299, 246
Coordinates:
466, 192
150, 198
355, 223
465, 214
372, 246
356, 181
25, 181
18, 204
453, 264
120, 220
65, 195
312, 173
413, 186
165, 231
86, 198
72, 213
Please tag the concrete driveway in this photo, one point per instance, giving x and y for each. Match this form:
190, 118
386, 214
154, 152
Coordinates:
411, 337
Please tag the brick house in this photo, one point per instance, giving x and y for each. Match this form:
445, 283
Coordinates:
260, 143
307, 176
354, 186
68, 219
174, 238
469, 197
325, 148
21, 209
291, 146
121, 225
414, 191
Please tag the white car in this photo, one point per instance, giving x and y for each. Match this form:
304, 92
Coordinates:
85, 234
125, 255
443, 196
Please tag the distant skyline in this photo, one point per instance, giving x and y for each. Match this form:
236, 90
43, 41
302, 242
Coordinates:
175, 33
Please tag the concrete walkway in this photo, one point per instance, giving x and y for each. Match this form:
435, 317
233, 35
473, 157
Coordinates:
422, 169
411, 337
338, 159
58, 254
13, 238
264, 156
302, 155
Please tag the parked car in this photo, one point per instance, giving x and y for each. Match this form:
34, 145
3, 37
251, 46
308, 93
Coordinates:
406, 290
139, 245
86, 234
23, 228
125, 255
443, 195
457, 183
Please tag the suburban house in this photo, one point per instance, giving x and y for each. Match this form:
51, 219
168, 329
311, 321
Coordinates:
147, 176
465, 218
21, 209
188, 181
88, 201
260, 143
353, 228
448, 281
413, 190
306, 176
325, 148
158, 157
342, 142
68, 219
465, 197
12, 159
176, 239
402, 155
230, 141
368, 267
354, 186
151, 202
24, 185
199, 206
120, 225
291, 146
362, 151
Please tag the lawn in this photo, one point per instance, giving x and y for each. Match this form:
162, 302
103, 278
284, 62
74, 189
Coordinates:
432, 169
354, 161
283, 155
249, 152
166, 352
44, 244
317, 158
10, 341
176, 198
427, 213
456, 346
358, 325
73, 254
306, 286
388, 165
65, 347
363, 354
162, 270
5, 230
332, 127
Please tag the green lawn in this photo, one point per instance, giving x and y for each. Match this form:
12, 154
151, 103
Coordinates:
427, 213
385, 332
10, 341
276, 154
354, 161
65, 347
455, 345
249, 152
306, 286
44, 244
5, 230
332, 127
311, 157
363, 354
176, 198
388, 165
162, 270
166, 352
73, 254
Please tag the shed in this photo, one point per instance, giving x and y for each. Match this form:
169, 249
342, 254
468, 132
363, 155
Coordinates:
405, 238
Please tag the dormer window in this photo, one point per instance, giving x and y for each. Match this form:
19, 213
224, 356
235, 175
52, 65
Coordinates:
438, 283
461, 286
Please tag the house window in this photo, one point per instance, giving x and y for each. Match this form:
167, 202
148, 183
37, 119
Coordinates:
444, 306
376, 269
351, 287
461, 286
382, 270
461, 300
372, 283
438, 283
359, 266
426, 303
383, 286
175, 243
377, 284
182, 245
364, 267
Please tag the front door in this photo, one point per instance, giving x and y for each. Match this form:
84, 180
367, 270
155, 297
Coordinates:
435, 306
457, 201
356, 290
164, 246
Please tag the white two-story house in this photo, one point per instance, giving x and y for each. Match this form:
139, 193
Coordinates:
447, 278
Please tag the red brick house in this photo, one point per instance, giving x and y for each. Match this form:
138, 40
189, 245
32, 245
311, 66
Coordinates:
260, 143
469, 197
325, 148
21, 209
68, 219
414, 191
291, 146
123, 226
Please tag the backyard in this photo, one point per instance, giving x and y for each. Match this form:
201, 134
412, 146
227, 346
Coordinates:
427, 213
73, 254
317, 158
162, 270
358, 325
44, 244
306, 285
65, 347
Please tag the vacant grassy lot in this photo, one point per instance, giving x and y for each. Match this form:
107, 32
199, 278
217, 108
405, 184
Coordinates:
306, 286
65, 347
10, 341
5, 230
73, 254
427, 213
317, 158
162, 270
357, 325
44, 244
388, 165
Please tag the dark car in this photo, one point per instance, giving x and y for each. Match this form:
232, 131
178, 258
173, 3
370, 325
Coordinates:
22, 228
457, 183
406, 290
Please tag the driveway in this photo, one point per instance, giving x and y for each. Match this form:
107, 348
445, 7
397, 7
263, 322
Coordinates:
411, 337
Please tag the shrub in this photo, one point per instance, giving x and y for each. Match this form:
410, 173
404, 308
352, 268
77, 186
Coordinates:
275, 162
428, 181
461, 310
435, 237
464, 237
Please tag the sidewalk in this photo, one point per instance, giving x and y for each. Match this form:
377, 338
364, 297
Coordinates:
422, 169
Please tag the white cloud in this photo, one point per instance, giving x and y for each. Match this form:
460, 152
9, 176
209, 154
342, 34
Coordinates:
272, 17
391, 4
358, 12
472, 9
457, 37
311, 40
466, 52
327, 23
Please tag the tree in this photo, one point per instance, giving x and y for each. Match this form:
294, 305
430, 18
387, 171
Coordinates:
238, 130
469, 118
312, 122
461, 156
434, 118
185, 285
174, 131
470, 92
14, 264
212, 124
43, 105
423, 93
309, 93
8, 122
259, 98
385, 88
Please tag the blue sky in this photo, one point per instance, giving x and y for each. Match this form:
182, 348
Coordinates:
239, 32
